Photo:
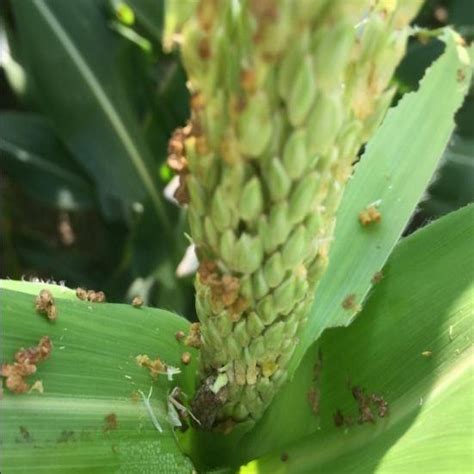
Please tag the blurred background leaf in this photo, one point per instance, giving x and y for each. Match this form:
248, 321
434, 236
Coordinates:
91, 101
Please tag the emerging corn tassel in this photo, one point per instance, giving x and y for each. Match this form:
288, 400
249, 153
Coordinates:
284, 93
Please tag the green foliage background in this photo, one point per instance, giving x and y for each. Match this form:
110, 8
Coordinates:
89, 106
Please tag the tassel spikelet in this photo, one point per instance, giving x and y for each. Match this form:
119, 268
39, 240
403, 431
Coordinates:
284, 93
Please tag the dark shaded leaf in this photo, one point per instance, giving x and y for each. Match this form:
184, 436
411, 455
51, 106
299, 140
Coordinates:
34, 157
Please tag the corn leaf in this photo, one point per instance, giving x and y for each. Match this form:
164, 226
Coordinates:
94, 414
412, 345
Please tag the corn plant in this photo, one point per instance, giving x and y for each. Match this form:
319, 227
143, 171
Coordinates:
325, 343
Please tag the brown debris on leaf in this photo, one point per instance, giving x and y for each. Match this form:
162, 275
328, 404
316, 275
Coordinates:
206, 403
66, 436
155, 366
110, 422
45, 304
81, 293
370, 215
228, 291
96, 296
208, 271
15, 374
193, 339
237, 308
314, 398
314, 393
137, 302
366, 403
366, 415
338, 418
377, 277
35, 354
25, 365
179, 336
224, 289
341, 420
380, 403
363, 401
350, 302
176, 150
186, 358
90, 295
318, 367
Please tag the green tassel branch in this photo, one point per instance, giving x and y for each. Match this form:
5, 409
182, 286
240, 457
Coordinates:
284, 93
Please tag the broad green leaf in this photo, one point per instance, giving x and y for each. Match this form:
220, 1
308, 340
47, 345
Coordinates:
393, 173
91, 375
412, 344
32, 154
83, 93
